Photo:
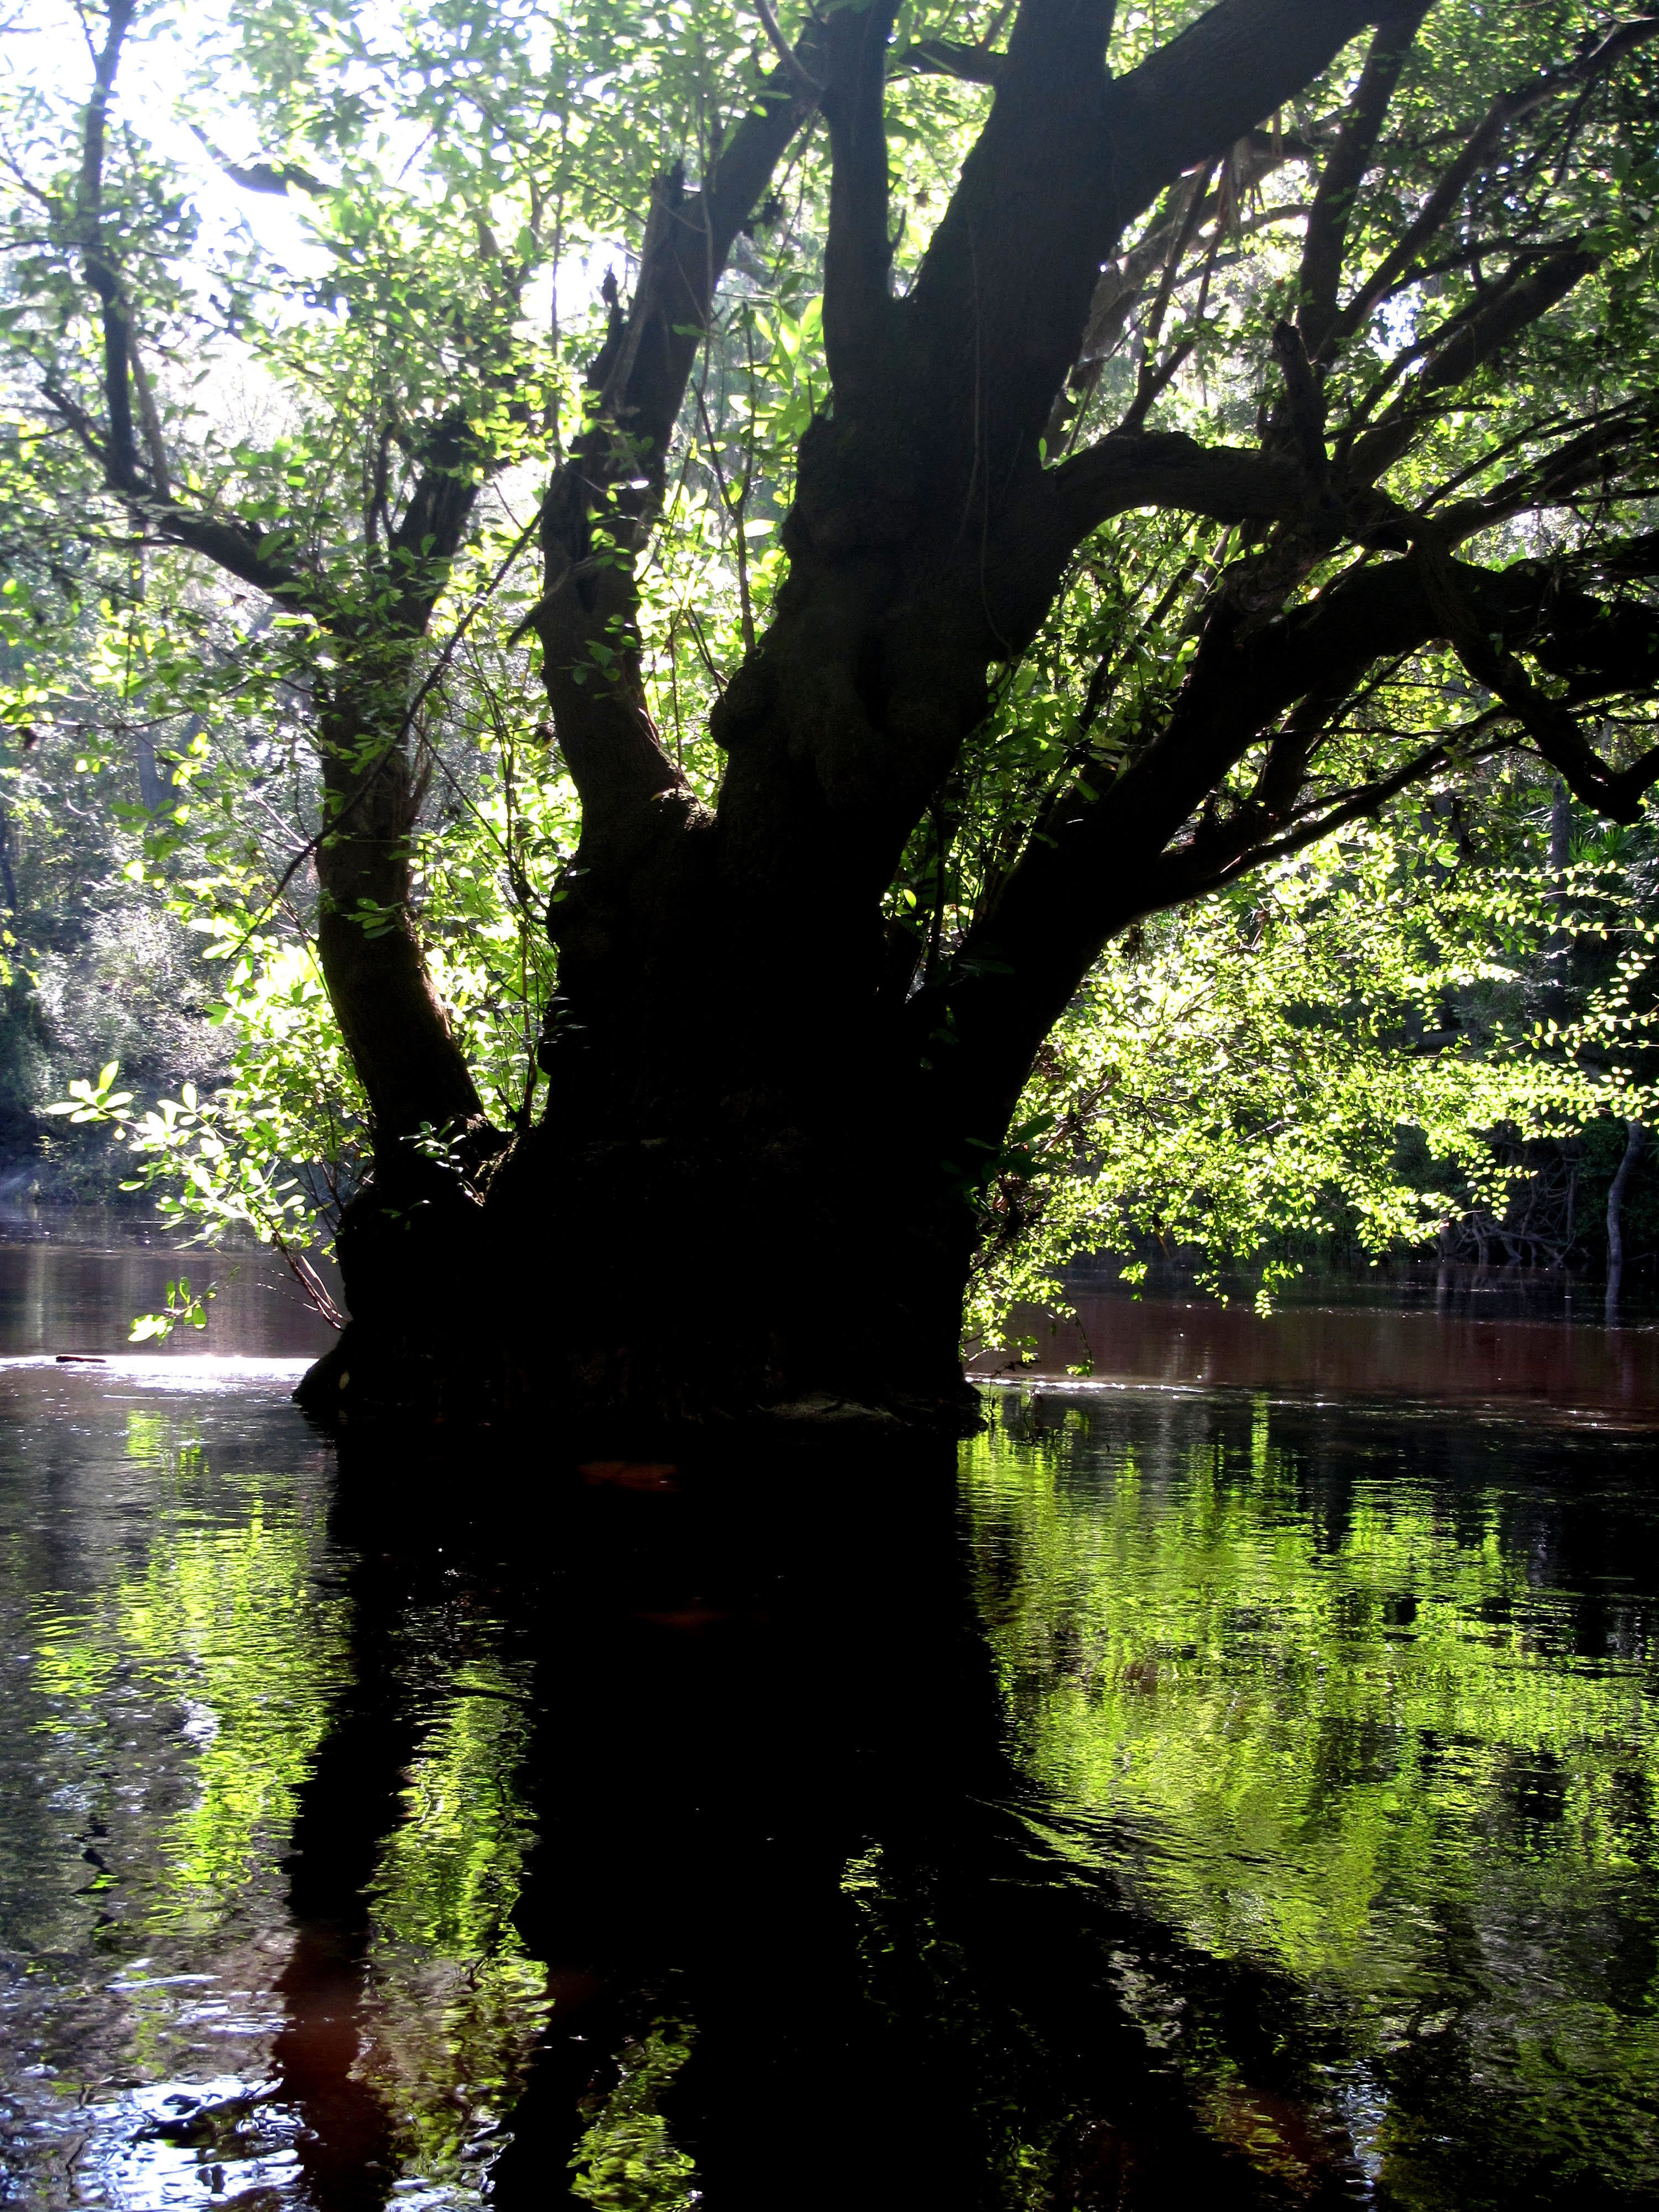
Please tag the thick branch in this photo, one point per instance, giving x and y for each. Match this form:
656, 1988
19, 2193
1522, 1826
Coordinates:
1096, 863
1340, 181
1067, 158
238, 548
1191, 100
858, 252
1244, 844
428, 533
807, 86
1545, 720
944, 57
996, 313
1555, 477
1475, 342
1304, 403
1161, 469
615, 474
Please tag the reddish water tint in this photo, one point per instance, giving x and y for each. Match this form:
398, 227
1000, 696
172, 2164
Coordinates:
73, 1279
1467, 1356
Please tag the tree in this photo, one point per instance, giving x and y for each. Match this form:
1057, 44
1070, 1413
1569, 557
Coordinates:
1029, 669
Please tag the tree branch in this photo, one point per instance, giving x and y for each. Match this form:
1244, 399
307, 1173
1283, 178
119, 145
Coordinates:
615, 471
236, 547
858, 309
1096, 861
1545, 720
944, 57
1121, 282
1554, 477
1474, 342
1191, 872
996, 316
121, 455
1191, 99
1161, 469
1340, 179
808, 86
1507, 108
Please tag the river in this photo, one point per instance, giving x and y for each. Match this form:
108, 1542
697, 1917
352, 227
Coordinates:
1233, 1783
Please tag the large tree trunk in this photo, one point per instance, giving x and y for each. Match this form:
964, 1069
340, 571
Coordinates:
730, 1210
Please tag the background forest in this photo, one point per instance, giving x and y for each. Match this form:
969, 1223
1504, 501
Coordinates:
1420, 1032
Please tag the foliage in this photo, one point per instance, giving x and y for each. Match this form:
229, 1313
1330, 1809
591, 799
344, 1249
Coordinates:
267, 1155
1245, 1077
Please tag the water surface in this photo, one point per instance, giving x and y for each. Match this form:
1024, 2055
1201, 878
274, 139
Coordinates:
1498, 1344
1177, 1796
73, 1278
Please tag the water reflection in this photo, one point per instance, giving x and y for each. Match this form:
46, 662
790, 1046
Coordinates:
1369, 1706
254, 1903
1173, 1800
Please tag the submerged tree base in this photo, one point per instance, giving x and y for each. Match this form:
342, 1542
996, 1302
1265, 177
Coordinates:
368, 1380
732, 1260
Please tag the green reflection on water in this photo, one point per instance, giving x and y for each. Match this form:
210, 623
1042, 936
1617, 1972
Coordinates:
183, 1692
626, 2160
224, 1621
459, 2001
1360, 1747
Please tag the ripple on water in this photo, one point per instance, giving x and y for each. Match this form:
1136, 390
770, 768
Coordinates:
1257, 1807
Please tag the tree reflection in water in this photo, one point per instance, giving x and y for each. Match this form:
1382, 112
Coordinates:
1171, 1800
1366, 1701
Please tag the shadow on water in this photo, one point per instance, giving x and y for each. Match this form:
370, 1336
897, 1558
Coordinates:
1166, 1799
801, 1933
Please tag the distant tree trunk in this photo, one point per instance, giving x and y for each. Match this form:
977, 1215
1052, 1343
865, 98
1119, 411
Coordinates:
155, 789
1635, 1144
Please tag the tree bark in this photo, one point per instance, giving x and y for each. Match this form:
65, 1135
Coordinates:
394, 1028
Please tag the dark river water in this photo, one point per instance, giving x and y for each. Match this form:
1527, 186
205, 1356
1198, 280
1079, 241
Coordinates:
1200, 1790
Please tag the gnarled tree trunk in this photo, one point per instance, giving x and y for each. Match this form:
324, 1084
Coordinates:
752, 1184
